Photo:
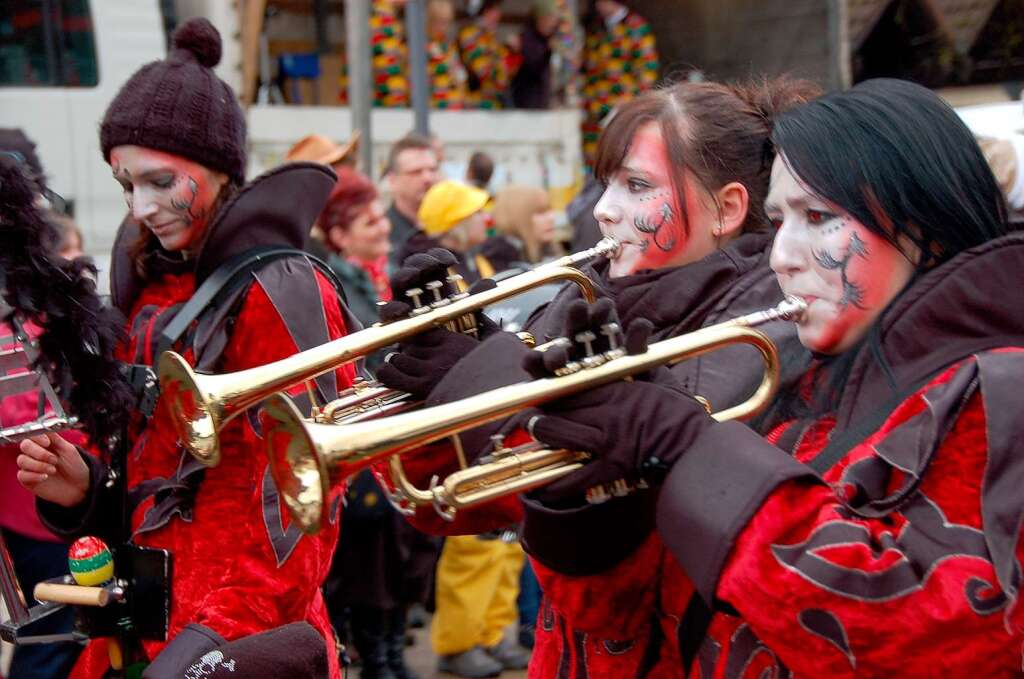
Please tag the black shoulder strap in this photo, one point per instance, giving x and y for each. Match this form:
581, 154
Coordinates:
224, 281
840, 445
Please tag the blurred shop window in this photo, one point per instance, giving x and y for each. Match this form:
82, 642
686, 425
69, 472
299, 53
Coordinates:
47, 43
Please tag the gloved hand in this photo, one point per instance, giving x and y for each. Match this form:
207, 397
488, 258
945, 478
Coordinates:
422, 360
598, 322
635, 430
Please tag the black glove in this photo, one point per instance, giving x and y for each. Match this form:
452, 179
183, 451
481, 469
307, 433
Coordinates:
422, 360
634, 430
598, 325
420, 363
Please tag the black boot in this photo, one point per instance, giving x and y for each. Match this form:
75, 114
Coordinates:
369, 636
395, 645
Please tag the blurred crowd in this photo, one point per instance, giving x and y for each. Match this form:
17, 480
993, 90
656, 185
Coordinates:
480, 64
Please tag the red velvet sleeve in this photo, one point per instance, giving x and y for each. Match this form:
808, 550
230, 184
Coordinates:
897, 591
259, 593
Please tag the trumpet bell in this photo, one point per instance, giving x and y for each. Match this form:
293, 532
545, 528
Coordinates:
301, 478
196, 415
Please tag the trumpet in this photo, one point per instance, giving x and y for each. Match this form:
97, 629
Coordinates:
307, 459
204, 403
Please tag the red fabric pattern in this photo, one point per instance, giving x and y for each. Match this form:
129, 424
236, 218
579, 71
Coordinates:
225, 572
624, 620
787, 610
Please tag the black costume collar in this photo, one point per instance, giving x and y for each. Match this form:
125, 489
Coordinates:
669, 297
969, 304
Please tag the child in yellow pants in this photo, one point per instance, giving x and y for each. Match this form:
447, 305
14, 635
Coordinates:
477, 586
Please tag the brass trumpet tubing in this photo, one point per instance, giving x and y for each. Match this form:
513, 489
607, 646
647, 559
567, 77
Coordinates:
512, 473
340, 451
205, 402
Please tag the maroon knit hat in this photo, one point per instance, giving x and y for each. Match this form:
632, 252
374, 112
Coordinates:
180, 106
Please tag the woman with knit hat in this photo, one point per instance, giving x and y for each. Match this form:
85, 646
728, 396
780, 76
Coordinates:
175, 140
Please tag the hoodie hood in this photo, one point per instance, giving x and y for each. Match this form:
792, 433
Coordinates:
969, 304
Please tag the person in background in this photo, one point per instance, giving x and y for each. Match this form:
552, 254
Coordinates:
620, 60
445, 71
412, 168
523, 215
36, 552
365, 589
356, 232
479, 170
485, 58
390, 56
452, 217
316, 148
1005, 155
531, 85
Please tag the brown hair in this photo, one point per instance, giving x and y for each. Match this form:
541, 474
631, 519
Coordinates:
514, 208
719, 132
413, 140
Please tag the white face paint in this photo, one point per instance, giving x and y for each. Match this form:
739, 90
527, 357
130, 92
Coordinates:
640, 208
845, 272
171, 196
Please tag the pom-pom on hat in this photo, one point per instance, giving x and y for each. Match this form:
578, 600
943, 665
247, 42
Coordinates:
180, 106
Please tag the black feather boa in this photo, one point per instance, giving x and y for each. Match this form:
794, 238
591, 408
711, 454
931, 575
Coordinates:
79, 333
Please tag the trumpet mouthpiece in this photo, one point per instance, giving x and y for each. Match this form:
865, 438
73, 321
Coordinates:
792, 308
608, 246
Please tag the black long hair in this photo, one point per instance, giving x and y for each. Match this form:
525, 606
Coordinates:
79, 334
899, 159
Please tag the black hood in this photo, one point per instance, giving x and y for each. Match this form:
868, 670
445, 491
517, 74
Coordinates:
972, 303
277, 208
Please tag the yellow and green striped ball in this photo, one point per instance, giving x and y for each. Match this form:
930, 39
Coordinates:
90, 561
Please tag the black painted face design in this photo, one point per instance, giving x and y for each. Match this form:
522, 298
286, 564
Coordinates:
171, 196
846, 272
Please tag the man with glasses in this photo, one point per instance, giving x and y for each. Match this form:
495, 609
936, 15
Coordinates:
411, 170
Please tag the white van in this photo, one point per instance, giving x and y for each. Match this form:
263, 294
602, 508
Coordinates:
61, 63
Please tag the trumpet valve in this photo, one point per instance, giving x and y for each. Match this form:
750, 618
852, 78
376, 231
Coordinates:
434, 287
569, 368
586, 338
415, 295
498, 444
613, 333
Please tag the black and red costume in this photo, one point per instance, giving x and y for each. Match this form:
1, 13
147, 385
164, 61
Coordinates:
239, 567
599, 618
888, 542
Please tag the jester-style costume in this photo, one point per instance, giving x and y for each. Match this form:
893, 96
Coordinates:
447, 75
238, 565
591, 625
390, 56
619, 62
486, 61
